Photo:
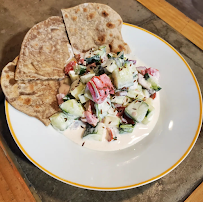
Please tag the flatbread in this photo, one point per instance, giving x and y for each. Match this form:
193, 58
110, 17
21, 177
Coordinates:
34, 98
45, 51
91, 25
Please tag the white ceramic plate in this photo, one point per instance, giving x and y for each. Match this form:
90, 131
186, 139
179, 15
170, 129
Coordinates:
156, 155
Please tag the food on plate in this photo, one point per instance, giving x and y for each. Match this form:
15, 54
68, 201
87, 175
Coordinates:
88, 80
109, 93
91, 25
44, 52
34, 98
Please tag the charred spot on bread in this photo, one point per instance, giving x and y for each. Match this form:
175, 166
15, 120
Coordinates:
27, 101
110, 25
11, 68
74, 18
102, 38
104, 13
77, 10
12, 81
91, 16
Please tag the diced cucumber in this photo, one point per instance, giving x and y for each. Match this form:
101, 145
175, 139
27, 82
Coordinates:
102, 109
135, 94
120, 55
149, 115
88, 94
73, 75
73, 108
76, 88
111, 55
118, 99
80, 69
111, 121
95, 133
122, 77
139, 87
60, 121
102, 52
134, 86
119, 62
146, 93
149, 101
126, 128
131, 66
82, 97
85, 78
137, 110
110, 65
153, 81
142, 81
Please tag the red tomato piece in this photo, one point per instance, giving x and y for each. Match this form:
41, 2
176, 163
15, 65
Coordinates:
70, 66
153, 96
100, 87
153, 72
108, 83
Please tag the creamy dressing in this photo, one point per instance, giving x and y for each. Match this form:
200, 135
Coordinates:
123, 140
75, 132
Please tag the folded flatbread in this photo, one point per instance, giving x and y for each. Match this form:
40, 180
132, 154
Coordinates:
34, 98
91, 25
44, 52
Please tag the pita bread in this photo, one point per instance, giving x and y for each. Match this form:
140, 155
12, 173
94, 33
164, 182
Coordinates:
34, 98
91, 25
44, 52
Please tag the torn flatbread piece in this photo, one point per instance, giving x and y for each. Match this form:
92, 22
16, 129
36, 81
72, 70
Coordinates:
34, 98
44, 52
91, 25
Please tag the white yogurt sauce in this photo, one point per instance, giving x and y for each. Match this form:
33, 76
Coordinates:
123, 140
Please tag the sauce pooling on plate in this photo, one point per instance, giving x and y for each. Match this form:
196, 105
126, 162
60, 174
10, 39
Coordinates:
111, 102
123, 140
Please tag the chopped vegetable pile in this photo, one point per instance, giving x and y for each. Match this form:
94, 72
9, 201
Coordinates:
108, 91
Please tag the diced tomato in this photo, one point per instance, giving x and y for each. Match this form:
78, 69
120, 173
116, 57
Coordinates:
81, 61
70, 66
60, 98
91, 118
129, 120
120, 111
109, 134
107, 82
153, 96
100, 87
153, 72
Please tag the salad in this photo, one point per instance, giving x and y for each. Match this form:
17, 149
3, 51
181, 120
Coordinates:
108, 93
